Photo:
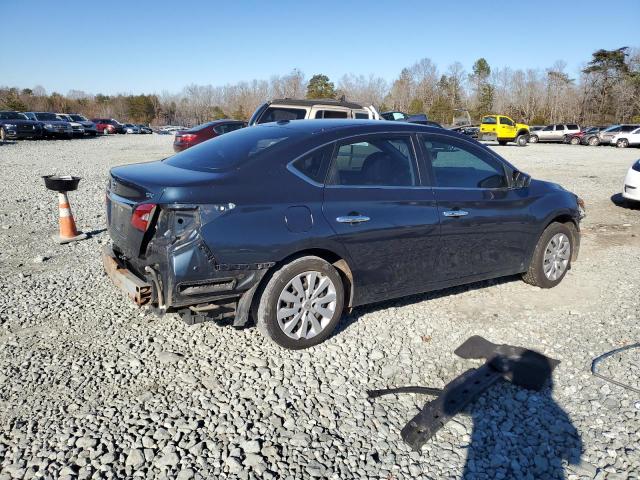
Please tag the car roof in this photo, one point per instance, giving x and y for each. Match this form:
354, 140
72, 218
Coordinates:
313, 126
318, 101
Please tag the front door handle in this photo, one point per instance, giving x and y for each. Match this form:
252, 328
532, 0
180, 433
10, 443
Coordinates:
455, 213
352, 219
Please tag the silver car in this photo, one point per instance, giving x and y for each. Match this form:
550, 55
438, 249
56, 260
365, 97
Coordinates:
558, 132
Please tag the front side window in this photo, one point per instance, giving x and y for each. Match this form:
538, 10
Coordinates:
383, 160
506, 121
456, 164
559, 127
628, 128
548, 128
278, 114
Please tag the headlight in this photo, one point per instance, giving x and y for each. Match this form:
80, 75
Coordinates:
48, 125
9, 125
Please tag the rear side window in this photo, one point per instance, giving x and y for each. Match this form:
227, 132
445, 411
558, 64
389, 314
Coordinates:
330, 114
230, 150
489, 120
314, 164
382, 160
573, 126
456, 164
361, 116
277, 114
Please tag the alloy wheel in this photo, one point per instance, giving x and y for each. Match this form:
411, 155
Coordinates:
306, 305
622, 143
556, 256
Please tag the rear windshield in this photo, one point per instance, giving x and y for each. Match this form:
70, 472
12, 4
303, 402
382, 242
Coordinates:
46, 116
276, 114
489, 120
12, 116
229, 150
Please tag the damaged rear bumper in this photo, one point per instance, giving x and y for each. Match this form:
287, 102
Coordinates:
138, 290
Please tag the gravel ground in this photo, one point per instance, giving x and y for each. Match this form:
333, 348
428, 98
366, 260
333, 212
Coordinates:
91, 386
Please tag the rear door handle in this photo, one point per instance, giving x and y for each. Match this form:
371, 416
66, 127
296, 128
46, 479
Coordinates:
352, 219
455, 213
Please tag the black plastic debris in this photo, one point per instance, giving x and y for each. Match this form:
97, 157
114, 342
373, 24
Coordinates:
520, 366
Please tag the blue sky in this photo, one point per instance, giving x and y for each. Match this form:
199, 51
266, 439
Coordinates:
151, 46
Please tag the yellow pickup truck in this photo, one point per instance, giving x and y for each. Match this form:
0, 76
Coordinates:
501, 129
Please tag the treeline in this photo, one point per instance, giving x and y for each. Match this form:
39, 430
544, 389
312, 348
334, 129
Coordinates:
607, 90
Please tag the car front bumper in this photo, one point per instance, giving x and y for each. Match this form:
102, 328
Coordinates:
631, 186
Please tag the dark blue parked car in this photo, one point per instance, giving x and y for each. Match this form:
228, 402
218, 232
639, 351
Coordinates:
292, 222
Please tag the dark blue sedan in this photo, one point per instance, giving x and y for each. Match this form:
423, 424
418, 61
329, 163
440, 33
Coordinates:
290, 223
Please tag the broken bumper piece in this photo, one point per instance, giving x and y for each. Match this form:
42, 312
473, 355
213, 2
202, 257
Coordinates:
137, 289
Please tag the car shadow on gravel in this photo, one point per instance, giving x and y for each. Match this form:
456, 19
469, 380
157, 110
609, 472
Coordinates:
619, 201
354, 316
519, 433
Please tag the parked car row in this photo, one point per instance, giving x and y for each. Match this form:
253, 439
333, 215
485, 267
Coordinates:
35, 125
621, 136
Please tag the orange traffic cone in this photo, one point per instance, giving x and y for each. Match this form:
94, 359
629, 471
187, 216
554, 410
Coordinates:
68, 230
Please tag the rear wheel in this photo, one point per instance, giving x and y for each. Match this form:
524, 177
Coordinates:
622, 143
574, 141
522, 140
551, 258
533, 139
301, 304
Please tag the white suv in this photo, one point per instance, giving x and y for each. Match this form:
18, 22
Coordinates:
558, 132
293, 109
627, 139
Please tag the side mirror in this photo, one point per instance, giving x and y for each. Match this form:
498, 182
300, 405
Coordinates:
521, 179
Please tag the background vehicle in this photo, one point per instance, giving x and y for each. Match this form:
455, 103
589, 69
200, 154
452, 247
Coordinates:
395, 116
78, 129
144, 129
296, 220
604, 137
89, 126
627, 139
15, 125
576, 138
502, 129
558, 132
188, 138
131, 128
108, 126
631, 186
293, 109
52, 126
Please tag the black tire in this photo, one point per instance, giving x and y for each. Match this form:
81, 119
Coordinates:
533, 139
502, 142
535, 274
266, 314
594, 141
574, 141
622, 143
565, 139
522, 140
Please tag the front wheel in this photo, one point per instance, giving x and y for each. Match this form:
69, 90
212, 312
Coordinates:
574, 141
594, 141
522, 141
533, 139
551, 258
301, 304
622, 143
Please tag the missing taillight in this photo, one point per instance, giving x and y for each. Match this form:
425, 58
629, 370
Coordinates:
142, 216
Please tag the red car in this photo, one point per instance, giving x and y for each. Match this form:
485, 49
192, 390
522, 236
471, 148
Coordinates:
577, 138
200, 133
108, 126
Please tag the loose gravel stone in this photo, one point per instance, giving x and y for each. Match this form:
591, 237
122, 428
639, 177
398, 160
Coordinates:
93, 387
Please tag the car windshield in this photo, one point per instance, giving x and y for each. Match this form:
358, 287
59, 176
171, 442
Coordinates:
229, 150
79, 118
12, 116
46, 116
